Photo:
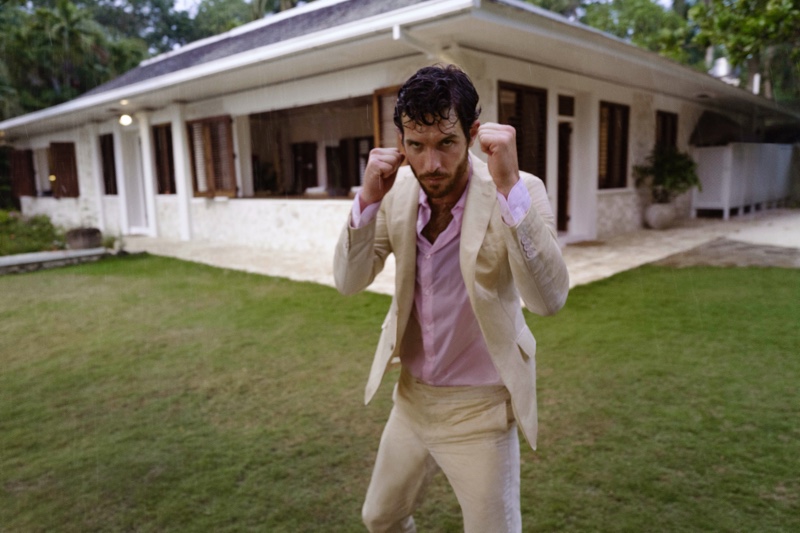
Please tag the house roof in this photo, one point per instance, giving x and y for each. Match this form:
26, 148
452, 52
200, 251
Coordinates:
294, 23
331, 35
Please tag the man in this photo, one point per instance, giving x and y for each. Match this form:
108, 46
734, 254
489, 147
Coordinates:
469, 240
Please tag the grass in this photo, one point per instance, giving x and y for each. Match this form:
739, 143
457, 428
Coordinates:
149, 394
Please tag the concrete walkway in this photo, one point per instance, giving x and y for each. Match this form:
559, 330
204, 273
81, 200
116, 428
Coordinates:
586, 262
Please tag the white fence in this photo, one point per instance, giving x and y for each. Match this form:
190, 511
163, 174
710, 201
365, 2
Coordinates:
741, 177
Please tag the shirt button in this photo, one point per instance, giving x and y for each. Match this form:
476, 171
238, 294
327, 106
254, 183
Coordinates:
427, 256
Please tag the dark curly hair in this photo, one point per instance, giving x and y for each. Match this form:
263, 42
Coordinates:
429, 95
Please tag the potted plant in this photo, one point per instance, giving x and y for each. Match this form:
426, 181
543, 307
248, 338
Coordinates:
669, 173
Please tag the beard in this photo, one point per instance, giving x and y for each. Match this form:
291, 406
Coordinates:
444, 183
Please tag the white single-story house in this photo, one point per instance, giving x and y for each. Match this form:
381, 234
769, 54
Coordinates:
259, 136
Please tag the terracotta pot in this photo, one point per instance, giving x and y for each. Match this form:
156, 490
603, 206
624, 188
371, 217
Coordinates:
659, 216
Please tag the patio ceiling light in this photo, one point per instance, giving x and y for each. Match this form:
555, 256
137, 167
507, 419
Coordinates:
125, 120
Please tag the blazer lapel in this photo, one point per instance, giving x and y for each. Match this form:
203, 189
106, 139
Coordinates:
481, 202
404, 242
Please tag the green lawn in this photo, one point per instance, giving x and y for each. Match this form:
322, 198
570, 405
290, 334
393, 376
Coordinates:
149, 394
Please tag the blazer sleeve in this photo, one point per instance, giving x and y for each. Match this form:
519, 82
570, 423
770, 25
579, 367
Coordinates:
361, 253
537, 266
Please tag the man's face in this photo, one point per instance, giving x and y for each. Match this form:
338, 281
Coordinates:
438, 156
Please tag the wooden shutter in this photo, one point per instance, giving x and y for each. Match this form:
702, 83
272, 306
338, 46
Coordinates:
63, 167
212, 157
109, 164
22, 174
525, 108
165, 162
666, 129
613, 148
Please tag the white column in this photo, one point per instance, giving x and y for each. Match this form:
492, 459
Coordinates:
122, 189
148, 172
242, 147
583, 221
183, 171
551, 177
322, 167
97, 173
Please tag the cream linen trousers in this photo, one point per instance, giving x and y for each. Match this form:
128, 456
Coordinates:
467, 432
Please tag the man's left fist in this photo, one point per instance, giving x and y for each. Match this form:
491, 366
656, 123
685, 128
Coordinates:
499, 142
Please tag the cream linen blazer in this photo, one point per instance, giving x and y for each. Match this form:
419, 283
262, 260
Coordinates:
500, 266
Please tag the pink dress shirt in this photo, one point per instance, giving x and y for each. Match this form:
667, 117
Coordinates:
443, 345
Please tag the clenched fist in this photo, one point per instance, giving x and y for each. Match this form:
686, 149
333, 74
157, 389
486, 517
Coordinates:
499, 142
380, 173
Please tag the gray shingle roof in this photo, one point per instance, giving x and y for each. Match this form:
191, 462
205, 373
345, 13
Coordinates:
262, 35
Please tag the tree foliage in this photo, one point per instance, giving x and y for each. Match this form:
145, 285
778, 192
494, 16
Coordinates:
757, 36
644, 23
218, 16
746, 28
760, 36
51, 51
54, 52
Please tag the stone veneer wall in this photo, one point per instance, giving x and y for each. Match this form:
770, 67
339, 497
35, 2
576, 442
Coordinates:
287, 225
618, 212
64, 212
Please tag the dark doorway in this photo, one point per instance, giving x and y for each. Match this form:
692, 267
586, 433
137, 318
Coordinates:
305, 167
564, 156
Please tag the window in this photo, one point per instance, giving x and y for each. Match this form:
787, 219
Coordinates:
108, 162
63, 170
613, 149
566, 106
666, 130
525, 108
22, 174
165, 163
211, 143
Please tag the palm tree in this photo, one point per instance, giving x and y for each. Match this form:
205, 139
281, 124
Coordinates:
75, 39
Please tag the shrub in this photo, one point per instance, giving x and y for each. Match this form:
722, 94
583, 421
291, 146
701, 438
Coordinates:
19, 234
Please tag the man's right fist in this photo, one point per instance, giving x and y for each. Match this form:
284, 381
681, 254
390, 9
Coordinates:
380, 173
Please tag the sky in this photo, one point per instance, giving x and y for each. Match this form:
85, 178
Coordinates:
187, 5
